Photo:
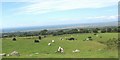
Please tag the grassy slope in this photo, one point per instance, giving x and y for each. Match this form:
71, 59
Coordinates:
88, 49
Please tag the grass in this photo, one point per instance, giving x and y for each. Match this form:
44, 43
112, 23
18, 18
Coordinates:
88, 49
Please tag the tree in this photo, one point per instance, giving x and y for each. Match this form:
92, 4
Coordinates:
95, 30
109, 29
44, 32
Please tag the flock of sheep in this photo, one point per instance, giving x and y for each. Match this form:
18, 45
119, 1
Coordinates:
59, 50
14, 53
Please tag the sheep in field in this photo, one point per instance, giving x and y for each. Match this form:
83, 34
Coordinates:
36, 41
14, 39
60, 49
4, 54
49, 44
15, 53
76, 51
53, 41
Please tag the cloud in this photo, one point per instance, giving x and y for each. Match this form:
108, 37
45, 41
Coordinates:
113, 17
104, 17
45, 6
90, 18
19, 0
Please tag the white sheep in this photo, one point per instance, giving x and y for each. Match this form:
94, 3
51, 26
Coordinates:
76, 51
36, 53
4, 54
49, 44
15, 53
87, 39
61, 50
53, 41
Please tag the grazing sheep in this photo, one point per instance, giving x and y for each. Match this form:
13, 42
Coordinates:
96, 35
71, 39
36, 53
61, 38
40, 37
90, 38
49, 44
4, 54
61, 50
36, 41
87, 39
14, 39
15, 53
53, 41
76, 51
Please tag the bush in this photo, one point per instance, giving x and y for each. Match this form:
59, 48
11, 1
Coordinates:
112, 43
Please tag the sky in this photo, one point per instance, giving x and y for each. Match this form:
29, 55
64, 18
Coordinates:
24, 13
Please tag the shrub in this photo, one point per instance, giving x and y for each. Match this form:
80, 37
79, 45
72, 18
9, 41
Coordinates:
112, 43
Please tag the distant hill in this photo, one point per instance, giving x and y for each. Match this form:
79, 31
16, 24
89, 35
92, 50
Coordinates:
115, 23
35, 28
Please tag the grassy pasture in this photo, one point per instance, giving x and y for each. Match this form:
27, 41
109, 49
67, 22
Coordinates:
88, 49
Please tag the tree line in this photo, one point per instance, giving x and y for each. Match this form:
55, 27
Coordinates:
111, 29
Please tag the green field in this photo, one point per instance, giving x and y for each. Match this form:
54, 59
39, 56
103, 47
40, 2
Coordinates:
88, 49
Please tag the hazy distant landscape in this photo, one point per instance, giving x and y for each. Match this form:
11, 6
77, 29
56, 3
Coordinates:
52, 27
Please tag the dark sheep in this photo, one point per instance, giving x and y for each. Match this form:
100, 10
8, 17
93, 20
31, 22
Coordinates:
89, 37
71, 39
14, 39
40, 37
36, 41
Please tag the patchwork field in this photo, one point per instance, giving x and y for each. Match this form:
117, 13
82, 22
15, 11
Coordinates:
88, 49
